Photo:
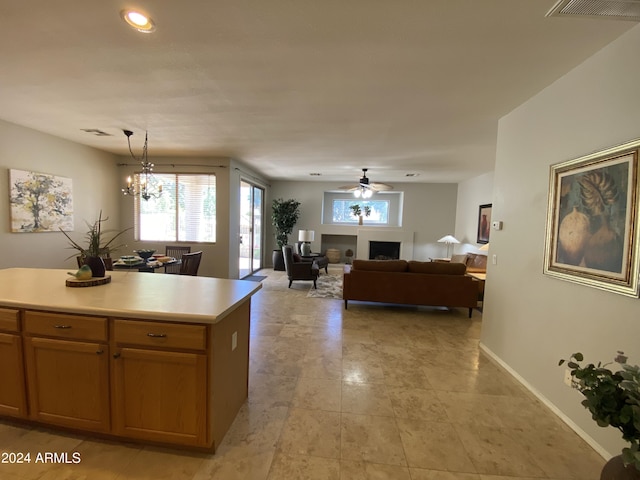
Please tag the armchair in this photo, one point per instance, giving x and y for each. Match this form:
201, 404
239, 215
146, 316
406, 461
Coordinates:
300, 270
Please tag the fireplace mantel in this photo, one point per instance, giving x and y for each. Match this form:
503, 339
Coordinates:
365, 235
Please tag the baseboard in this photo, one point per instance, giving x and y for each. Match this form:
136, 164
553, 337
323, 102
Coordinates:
547, 403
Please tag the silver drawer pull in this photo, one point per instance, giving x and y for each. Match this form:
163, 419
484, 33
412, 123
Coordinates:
62, 326
156, 335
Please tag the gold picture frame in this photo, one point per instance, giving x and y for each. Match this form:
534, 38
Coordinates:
592, 220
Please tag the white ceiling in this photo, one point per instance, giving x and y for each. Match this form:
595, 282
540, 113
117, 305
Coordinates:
291, 87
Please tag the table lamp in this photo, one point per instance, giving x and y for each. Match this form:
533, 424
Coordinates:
306, 236
449, 240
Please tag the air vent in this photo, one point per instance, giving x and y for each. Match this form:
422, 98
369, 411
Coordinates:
628, 10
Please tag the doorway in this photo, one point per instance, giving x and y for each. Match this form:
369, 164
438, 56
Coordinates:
251, 215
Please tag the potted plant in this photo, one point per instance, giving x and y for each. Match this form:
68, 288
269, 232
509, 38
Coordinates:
284, 215
96, 250
357, 211
613, 398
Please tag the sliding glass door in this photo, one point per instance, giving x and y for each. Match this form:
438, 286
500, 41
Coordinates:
251, 225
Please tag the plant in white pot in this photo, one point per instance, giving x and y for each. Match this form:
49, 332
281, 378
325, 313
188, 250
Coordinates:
613, 398
357, 211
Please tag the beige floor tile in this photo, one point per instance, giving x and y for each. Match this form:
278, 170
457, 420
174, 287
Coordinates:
371, 439
311, 432
322, 365
421, 474
434, 445
352, 470
236, 463
318, 394
417, 403
153, 463
366, 399
256, 428
304, 467
271, 390
494, 452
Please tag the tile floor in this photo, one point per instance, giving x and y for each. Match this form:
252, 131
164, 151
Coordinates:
363, 394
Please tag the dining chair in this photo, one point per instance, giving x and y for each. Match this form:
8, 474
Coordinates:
190, 263
175, 251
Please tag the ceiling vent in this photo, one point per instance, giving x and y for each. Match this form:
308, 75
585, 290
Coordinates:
610, 9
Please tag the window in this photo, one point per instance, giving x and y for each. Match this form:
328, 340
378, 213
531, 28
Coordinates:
185, 212
342, 213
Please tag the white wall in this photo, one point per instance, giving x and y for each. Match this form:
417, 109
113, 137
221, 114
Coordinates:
471, 194
429, 211
94, 188
531, 320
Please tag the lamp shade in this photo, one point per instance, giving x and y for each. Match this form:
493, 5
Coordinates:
306, 235
449, 239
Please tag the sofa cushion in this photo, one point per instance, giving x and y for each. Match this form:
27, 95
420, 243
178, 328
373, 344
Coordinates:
380, 265
438, 268
476, 263
459, 258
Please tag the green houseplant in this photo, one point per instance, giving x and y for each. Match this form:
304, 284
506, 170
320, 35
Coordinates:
613, 398
284, 215
97, 249
357, 211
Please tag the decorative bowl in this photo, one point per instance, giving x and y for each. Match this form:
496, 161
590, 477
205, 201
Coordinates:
145, 254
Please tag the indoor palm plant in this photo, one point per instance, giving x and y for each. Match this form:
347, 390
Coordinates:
284, 215
357, 211
613, 398
97, 248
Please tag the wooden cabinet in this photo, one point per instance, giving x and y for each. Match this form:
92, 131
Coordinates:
160, 382
68, 370
13, 401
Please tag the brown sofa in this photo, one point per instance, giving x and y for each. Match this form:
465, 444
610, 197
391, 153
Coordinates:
410, 283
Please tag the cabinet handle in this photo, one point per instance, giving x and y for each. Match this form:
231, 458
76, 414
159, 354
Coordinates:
62, 326
156, 335
116, 355
100, 352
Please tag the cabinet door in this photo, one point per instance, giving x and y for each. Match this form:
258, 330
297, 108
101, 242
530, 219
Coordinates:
68, 383
13, 400
160, 395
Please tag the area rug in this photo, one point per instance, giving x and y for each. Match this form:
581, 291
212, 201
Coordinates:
329, 286
255, 278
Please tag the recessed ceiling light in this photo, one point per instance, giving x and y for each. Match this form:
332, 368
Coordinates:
411, 174
138, 20
315, 174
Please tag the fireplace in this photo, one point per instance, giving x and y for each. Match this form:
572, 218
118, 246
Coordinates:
384, 250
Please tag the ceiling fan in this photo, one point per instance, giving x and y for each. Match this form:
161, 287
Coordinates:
365, 188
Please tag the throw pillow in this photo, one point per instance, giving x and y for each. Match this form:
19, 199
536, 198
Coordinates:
297, 258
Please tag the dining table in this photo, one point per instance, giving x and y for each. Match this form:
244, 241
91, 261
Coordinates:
144, 266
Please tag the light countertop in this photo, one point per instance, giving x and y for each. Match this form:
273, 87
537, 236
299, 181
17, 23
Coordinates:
153, 296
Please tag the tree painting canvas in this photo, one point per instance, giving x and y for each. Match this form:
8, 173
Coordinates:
592, 220
40, 202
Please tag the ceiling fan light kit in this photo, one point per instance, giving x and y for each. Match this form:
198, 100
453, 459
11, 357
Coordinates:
365, 188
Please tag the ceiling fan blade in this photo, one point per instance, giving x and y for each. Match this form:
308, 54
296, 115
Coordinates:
349, 188
380, 187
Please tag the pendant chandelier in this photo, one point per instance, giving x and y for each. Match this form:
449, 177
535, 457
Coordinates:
145, 184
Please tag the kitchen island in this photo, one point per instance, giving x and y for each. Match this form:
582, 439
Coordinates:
154, 358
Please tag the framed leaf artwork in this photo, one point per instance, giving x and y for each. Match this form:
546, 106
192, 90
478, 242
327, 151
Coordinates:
40, 202
592, 220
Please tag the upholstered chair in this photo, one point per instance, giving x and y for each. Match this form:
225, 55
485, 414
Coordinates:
299, 270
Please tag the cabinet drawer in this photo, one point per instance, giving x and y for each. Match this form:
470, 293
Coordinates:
159, 334
65, 326
9, 319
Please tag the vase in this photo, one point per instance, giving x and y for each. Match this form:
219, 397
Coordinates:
96, 264
359, 219
615, 469
604, 249
278, 261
